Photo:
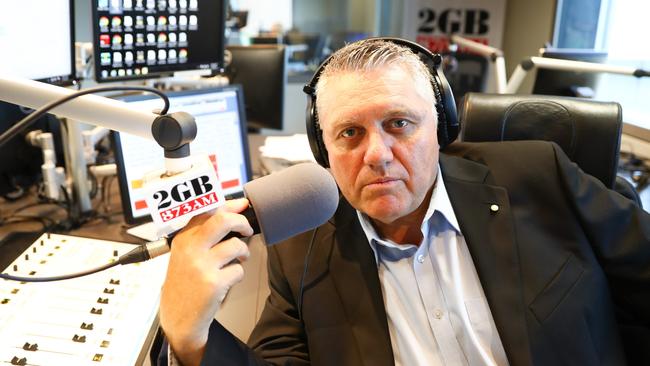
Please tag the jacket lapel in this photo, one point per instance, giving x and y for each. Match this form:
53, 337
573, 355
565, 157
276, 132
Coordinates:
489, 233
354, 272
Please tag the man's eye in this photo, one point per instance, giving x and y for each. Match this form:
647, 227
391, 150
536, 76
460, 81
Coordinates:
399, 123
349, 132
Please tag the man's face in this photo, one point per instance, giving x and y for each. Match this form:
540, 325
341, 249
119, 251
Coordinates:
380, 134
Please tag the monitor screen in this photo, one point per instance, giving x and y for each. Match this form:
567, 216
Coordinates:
221, 135
135, 39
569, 83
37, 40
262, 72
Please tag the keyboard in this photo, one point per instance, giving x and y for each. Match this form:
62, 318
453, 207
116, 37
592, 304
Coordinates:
106, 318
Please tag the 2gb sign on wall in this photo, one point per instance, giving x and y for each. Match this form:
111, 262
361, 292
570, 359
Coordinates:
431, 22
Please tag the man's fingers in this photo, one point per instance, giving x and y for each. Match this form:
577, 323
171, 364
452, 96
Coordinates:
236, 205
222, 223
226, 252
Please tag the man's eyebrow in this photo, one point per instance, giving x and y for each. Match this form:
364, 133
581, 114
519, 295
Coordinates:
404, 112
395, 112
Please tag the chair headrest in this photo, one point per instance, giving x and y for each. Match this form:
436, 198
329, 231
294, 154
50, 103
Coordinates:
588, 131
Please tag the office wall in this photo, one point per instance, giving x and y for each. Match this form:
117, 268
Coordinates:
529, 24
363, 16
320, 16
82, 14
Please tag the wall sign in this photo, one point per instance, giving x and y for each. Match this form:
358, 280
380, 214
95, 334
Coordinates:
430, 22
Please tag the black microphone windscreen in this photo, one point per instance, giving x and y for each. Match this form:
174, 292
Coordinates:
292, 201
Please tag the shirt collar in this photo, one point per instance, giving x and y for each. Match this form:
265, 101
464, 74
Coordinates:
439, 202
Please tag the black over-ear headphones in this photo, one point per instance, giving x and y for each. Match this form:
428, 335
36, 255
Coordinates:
448, 125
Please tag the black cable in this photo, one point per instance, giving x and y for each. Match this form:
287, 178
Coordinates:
59, 278
32, 117
139, 254
304, 273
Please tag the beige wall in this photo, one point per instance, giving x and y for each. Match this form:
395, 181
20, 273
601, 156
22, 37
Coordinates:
362, 16
529, 25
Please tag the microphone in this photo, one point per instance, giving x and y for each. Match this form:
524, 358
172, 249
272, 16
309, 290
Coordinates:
283, 204
291, 201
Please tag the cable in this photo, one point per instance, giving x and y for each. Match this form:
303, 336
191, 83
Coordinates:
304, 272
141, 253
59, 278
27, 121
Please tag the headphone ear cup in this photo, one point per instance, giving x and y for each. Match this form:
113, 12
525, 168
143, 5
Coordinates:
448, 126
315, 134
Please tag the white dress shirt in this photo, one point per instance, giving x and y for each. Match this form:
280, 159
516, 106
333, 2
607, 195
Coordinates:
437, 311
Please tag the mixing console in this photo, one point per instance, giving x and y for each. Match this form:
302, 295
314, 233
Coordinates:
102, 319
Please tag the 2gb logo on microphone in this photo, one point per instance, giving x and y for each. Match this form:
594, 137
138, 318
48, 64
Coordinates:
174, 200
188, 196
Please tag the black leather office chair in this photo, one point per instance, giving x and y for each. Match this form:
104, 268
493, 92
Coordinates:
588, 131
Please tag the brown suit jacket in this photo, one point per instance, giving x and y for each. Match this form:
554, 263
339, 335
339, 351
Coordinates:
564, 263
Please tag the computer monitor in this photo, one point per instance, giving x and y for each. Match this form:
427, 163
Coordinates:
221, 124
569, 83
135, 39
37, 40
20, 167
262, 71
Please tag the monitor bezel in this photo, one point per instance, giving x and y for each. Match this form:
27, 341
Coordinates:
158, 74
129, 218
71, 78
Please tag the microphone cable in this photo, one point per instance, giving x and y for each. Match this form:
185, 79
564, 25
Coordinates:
141, 253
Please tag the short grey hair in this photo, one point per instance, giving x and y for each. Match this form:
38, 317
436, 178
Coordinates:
371, 54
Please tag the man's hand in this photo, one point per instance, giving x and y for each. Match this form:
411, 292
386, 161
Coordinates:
199, 275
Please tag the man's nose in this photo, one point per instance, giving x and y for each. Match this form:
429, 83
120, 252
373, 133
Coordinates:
379, 149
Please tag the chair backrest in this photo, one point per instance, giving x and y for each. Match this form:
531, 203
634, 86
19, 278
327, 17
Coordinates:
588, 131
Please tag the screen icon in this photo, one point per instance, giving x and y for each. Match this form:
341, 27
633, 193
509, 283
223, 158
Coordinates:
117, 58
117, 40
104, 40
116, 22
105, 58
103, 22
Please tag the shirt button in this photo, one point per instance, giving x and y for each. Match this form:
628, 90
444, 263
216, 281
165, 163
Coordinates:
421, 258
438, 314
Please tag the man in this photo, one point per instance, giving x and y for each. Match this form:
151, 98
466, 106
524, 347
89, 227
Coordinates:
503, 253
